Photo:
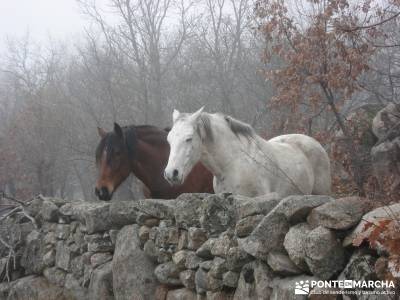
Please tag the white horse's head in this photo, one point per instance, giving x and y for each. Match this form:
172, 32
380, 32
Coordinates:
185, 146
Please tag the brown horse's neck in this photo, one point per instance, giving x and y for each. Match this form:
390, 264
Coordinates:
151, 157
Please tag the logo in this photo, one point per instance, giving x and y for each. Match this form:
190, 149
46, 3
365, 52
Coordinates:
348, 284
302, 287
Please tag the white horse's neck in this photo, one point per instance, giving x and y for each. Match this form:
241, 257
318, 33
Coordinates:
220, 154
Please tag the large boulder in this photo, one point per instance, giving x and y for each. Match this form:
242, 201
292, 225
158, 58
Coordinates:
151, 250
276, 223
181, 294
187, 278
297, 207
385, 120
98, 259
123, 213
97, 217
193, 261
237, 258
218, 213
165, 235
75, 210
361, 267
133, 271
168, 274
218, 267
281, 264
182, 240
206, 282
55, 276
63, 231
34, 252
205, 249
373, 217
339, 214
386, 153
49, 211
385, 157
223, 243
44, 208
35, 288
188, 209
258, 243
101, 283
64, 256
295, 244
179, 258
324, 253
34, 206
230, 279
196, 237
77, 266
254, 206
99, 242
201, 281
254, 282
245, 226
73, 289
160, 209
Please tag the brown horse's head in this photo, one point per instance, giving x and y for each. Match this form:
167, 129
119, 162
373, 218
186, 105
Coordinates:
114, 156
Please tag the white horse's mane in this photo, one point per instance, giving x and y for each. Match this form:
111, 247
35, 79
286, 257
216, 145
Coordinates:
239, 127
236, 126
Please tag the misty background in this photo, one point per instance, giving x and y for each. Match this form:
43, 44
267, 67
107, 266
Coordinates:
68, 67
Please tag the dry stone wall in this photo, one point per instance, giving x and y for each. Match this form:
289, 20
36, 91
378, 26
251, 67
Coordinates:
198, 246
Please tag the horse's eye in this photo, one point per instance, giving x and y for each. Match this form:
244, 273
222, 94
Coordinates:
189, 140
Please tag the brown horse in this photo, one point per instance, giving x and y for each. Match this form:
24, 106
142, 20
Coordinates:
143, 151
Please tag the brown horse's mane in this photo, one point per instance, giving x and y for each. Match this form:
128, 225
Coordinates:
133, 133
151, 134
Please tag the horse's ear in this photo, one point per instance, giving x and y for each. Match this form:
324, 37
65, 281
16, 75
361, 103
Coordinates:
118, 130
102, 132
175, 115
195, 116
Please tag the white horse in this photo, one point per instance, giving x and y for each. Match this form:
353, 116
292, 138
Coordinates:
241, 161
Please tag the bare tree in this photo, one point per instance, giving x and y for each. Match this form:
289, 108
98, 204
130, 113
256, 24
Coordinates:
141, 59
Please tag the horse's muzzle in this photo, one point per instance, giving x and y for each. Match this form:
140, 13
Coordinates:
173, 179
103, 194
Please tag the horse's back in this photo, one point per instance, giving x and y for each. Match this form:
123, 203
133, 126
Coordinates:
317, 157
308, 145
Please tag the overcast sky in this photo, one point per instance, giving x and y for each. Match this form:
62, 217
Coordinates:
61, 19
